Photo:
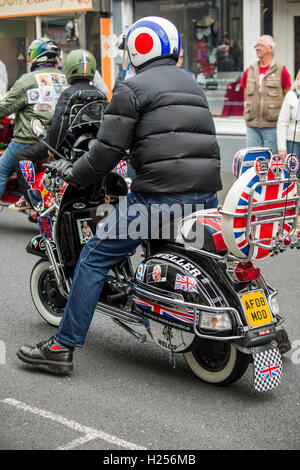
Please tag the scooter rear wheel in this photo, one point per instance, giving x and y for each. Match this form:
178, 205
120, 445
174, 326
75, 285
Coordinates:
45, 295
218, 363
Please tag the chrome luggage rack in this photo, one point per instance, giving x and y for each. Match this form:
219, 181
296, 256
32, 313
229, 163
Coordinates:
278, 214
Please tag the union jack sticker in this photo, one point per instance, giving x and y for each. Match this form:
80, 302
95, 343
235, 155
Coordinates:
27, 169
122, 167
185, 283
267, 366
45, 227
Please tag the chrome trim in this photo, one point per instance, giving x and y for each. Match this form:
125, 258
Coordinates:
232, 311
118, 313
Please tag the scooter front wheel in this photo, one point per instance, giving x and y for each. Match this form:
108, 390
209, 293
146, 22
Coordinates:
45, 294
218, 363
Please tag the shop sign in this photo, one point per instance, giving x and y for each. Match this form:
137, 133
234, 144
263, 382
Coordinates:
13, 8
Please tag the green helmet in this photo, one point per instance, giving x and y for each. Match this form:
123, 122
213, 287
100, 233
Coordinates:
80, 63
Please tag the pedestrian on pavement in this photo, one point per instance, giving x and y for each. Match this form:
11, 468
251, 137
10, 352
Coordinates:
288, 136
3, 80
163, 117
265, 84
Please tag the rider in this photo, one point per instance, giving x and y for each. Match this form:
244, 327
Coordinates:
34, 95
80, 67
163, 117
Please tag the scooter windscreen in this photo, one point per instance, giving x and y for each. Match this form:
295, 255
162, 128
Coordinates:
91, 113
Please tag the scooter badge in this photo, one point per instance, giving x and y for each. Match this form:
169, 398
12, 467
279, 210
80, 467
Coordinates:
261, 167
292, 163
276, 165
140, 272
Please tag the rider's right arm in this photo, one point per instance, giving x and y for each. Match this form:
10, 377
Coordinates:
14, 101
114, 137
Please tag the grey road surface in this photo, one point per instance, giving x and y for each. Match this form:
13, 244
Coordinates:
125, 395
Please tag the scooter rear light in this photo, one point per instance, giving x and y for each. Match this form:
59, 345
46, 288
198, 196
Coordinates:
246, 272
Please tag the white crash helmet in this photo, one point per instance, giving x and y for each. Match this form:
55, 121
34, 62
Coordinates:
151, 38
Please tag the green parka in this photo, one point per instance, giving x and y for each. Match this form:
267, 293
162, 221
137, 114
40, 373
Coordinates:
34, 95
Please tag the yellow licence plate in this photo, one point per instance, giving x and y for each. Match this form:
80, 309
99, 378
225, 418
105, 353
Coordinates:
256, 308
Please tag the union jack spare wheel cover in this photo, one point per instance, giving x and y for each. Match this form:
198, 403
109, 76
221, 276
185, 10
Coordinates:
237, 199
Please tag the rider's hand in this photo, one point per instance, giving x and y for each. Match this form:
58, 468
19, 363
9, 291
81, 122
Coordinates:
283, 154
51, 156
61, 168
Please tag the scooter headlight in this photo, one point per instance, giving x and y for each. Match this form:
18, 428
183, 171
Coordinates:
215, 321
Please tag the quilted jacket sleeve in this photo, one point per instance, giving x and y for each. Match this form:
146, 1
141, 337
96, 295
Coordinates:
14, 101
113, 139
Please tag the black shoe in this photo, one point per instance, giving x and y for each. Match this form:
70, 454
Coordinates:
48, 353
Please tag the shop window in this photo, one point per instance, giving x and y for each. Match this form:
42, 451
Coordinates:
212, 41
63, 31
93, 35
267, 17
297, 44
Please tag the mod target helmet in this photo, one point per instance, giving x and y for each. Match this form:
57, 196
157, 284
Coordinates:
42, 51
151, 38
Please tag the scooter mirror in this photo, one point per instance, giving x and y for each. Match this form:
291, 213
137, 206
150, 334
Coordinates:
38, 129
36, 199
28, 172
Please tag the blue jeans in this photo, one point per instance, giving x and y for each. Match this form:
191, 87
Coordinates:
262, 137
7, 163
296, 149
103, 252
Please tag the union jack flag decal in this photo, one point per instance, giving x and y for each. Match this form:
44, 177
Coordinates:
28, 172
186, 317
45, 227
186, 283
213, 226
262, 195
122, 167
271, 370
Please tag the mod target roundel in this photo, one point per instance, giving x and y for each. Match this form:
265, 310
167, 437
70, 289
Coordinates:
150, 38
144, 43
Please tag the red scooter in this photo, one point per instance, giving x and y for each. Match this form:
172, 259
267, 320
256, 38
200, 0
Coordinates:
12, 192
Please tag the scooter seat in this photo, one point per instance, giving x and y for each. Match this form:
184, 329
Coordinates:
202, 230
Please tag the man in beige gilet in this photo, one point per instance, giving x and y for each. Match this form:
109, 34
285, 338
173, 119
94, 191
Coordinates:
265, 84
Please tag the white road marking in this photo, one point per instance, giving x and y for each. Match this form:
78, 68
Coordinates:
90, 433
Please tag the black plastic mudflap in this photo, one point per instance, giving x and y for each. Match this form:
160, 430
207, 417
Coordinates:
267, 367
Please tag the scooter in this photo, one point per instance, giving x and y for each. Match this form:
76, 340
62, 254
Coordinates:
200, 297
12, 192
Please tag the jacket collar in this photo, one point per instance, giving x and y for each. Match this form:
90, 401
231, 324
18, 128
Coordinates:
156, 63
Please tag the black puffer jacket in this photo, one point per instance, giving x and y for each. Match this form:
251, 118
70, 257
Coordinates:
162, 116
